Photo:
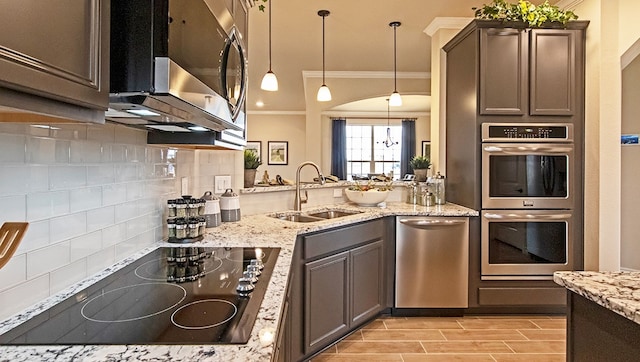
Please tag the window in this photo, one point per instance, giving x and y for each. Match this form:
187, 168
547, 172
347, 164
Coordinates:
367, 154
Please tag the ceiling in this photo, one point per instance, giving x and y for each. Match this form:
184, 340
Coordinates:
357, 38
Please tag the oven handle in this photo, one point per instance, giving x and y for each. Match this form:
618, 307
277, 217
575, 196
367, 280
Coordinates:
526, 216
525, 149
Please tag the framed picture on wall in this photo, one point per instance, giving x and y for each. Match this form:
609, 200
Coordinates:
426, 149
255, 146
278, 152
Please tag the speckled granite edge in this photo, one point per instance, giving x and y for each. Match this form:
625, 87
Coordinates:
616, 291
250, 231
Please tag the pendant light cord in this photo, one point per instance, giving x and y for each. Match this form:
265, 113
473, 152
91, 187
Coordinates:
270, 35
395, 77
323, 56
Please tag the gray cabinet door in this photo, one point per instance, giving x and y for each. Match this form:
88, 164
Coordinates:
327, 300
367, 285
57, 49
503, 71
553, 72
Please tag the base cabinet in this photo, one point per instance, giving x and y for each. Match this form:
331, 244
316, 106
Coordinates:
595, 333
339, 283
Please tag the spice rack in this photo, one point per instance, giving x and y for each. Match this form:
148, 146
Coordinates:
185, 222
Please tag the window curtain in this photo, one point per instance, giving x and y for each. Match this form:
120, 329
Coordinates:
408, 145
339, 148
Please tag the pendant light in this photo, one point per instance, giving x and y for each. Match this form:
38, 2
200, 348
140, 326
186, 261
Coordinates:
324, 94
269, 81
395, 99
389, 141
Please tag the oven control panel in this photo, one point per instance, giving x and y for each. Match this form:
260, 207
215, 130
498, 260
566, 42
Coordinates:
540, 132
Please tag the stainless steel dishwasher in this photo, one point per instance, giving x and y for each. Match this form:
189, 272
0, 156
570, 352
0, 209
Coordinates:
432, 262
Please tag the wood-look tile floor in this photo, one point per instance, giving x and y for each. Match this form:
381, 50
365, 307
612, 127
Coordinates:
482, 338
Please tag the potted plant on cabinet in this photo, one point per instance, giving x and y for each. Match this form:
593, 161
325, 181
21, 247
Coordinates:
420, 165
251, 163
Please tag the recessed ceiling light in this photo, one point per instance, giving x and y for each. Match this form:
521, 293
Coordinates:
142, 112
260, 104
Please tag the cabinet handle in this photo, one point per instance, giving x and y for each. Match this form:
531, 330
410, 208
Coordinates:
526, 216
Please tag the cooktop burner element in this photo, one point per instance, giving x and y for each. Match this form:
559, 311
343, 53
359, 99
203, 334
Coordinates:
173, 295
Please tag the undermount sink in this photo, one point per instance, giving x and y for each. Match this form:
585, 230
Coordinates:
314, 216
297, 218
331, 214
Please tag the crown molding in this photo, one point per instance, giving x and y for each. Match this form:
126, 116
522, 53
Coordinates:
373, 114
630, 54
446, 23
365, 74
276, 113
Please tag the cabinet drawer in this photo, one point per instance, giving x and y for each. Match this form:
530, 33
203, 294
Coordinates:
342, 238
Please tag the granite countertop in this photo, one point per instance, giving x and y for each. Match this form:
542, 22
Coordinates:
616, 291
250, 231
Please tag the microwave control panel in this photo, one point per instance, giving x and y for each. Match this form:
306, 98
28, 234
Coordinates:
527, 132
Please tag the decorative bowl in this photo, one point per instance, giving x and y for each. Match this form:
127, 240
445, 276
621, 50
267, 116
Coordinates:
370, 197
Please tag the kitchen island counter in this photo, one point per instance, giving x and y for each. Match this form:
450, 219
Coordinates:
251, 231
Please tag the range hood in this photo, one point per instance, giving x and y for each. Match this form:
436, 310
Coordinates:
178, 72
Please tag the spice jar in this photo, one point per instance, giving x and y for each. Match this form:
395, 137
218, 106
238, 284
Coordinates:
171, 207
181, 208
201, 203
181, 228
171, 228
412, 193
194, 226
202, 225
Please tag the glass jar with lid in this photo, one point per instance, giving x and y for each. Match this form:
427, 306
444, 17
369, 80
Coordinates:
181, 208
171, 207
181, 228
194, 227
171, 228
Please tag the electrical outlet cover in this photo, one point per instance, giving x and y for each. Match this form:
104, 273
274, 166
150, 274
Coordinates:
221, 183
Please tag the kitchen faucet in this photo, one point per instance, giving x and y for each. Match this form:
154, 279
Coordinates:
297, 204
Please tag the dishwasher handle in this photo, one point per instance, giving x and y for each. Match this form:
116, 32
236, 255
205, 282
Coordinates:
430, 223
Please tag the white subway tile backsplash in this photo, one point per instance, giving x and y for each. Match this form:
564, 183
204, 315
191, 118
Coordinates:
67, 177
118, 153
62, 151
69, 131
113, 235
41, 150
14, 272
85, 152
101, 175
86, 198
126, 172
101, 133
100, 218
135, 190
68, 275
126, 211
14, 208
44, 205
102, 259
38, 178
69, 226
24, 295
85, 245
114, 194
37, 236
127, 247
13, 148
130, 136
13, 179
47, 259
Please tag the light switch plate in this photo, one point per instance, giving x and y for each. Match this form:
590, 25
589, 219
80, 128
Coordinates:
221, 183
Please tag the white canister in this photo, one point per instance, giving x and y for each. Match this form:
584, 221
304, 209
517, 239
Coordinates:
211, 209
230, 206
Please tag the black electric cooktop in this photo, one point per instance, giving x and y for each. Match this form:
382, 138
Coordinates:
173, 295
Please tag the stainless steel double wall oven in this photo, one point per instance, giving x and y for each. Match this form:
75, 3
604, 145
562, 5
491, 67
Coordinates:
528, 173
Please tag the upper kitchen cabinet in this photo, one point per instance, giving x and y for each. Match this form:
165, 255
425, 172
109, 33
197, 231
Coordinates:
54, 58
529, 72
